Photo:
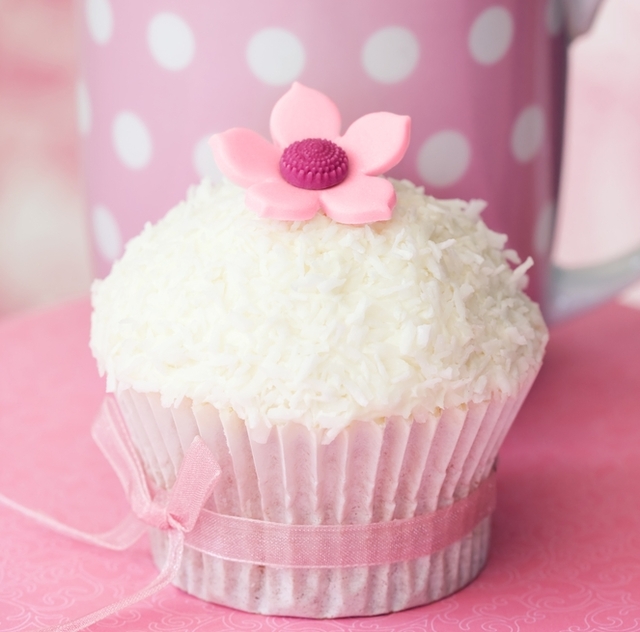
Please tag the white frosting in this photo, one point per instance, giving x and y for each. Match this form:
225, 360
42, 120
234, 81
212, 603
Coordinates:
315, 321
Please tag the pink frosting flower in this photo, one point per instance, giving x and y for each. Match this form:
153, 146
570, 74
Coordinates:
311, 174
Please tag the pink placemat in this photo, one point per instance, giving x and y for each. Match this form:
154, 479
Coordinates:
566, 543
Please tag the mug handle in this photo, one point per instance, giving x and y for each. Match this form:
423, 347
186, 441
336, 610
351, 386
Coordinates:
579, 15
575, 290
572, 291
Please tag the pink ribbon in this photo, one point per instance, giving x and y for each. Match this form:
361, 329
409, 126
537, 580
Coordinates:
180, 512
175, 511
331, 546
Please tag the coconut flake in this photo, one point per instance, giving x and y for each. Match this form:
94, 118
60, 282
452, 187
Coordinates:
317, 322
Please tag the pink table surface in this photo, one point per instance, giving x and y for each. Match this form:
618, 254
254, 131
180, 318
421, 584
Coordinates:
566, 543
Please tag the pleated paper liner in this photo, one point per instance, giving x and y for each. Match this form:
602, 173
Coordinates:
370, 472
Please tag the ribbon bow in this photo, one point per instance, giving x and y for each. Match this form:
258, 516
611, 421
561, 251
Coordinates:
176, 510
181, 513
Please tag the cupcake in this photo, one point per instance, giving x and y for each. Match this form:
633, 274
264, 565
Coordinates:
350, 349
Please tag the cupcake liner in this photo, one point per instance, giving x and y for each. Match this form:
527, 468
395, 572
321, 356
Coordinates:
370, 472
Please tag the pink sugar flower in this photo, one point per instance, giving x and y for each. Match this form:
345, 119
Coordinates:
310, 166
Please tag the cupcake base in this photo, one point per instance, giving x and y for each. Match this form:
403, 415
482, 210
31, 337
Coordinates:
330, 593
370, 472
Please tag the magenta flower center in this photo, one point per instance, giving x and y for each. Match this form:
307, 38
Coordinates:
314, 163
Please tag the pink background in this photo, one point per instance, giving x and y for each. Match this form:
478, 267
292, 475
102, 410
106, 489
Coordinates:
565, 547
44, 248
45, 234
566, 551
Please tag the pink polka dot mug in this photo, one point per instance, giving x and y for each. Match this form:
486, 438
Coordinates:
483, 82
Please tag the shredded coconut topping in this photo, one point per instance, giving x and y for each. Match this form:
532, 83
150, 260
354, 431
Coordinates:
318, 322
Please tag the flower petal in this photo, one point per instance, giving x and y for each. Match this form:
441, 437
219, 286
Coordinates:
245, 157
376, 142
275, 199
303, 113
359, 200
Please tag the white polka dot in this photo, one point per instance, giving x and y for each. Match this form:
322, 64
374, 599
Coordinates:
490, 35
106, 233
275, 56
99, 17
543, 231
131, 140
444, 158
203, 161
83, 108
390, 54
527, 133
171, 41
554, 17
